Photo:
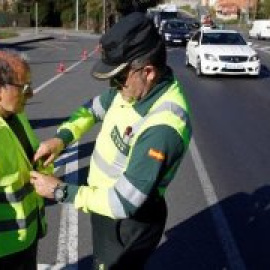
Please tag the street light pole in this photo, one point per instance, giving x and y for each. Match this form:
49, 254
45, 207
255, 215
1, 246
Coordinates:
77, 15
36, 16
87, 18
247, 12
104, 16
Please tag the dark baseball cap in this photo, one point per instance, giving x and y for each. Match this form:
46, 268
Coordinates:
132, 37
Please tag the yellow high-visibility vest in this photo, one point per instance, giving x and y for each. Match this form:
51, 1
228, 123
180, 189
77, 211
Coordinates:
20, 206
113, 147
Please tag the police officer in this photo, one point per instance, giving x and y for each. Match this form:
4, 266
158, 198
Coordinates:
22, 219
144, 135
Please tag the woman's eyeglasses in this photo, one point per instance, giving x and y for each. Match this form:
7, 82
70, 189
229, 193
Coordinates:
24, 88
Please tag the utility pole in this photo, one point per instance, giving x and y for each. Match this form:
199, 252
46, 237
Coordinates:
36, 16
247, 18
104, 16
87, 15
77, 15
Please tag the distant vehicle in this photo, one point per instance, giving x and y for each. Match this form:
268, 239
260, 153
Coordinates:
175, 32
192, 23
214, 51
260, 29
159, 17
162, 13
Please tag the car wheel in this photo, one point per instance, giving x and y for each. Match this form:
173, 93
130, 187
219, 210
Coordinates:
198, 68
187, 61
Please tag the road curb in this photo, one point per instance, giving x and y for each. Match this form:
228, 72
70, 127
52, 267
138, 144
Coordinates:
23, 40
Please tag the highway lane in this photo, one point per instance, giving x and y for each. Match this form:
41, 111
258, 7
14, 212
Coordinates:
218, 216
230, 119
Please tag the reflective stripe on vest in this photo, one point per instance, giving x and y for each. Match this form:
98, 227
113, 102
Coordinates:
116, 205
18, 224
129, 192
16, 196
166, 106
97, 108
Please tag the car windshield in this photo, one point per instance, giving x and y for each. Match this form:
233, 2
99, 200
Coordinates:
176, 25
222, 39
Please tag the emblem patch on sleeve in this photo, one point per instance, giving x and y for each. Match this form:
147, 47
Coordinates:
156, 154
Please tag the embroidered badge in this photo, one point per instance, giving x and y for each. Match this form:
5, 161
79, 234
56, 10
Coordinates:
156, 154
119, 142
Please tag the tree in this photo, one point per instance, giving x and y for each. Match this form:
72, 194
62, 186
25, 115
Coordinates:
266, 5
95, 13
125, 7
263, 9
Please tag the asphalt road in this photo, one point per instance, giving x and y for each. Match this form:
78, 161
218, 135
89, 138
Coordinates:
219, 201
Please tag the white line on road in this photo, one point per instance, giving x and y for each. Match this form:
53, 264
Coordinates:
267, 48
51, 267
67, 251
224, 233
56, 77
67, 247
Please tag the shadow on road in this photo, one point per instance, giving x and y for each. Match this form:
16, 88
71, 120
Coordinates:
194, 244
42, 123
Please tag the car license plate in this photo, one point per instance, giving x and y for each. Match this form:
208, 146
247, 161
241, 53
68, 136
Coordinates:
178, 40
233, 66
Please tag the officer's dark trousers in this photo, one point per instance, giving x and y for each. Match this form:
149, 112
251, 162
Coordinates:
24, 260
126, 244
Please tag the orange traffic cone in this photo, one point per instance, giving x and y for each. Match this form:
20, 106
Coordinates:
97, 49
84, 55
61, 68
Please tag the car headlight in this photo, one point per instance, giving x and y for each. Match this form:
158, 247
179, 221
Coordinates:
210, 57
254, 57
167, 36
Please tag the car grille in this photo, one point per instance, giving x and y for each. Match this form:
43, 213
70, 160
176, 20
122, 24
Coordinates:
178, 36
233, 58
232, 70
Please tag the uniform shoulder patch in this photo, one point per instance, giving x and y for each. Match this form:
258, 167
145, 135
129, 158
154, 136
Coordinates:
156, 154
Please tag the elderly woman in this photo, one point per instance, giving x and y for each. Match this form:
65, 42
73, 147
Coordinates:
22, 219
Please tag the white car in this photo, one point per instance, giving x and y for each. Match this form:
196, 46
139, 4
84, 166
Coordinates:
260, 29
213, 51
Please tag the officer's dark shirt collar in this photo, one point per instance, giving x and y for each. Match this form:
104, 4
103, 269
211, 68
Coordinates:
143, 105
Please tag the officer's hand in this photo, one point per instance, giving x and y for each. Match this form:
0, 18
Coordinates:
44, 184
49, 150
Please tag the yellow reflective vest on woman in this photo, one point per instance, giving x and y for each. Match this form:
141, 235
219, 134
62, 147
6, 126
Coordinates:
20, 206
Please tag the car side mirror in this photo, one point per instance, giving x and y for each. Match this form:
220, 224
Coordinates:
195, 43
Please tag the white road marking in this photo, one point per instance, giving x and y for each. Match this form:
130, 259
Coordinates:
67, 247
67, 251
267, 48
56, 77
52, 267
224, 233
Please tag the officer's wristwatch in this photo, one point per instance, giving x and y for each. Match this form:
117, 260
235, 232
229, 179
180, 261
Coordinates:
60, 192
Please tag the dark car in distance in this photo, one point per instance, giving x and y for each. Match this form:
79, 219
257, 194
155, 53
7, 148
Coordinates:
175, 32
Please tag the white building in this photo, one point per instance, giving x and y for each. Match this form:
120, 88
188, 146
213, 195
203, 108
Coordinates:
179, 3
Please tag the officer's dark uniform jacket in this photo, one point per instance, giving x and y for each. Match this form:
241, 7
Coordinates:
21, 209
137, 151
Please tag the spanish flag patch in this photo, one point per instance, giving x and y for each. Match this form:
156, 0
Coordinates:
156, 154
